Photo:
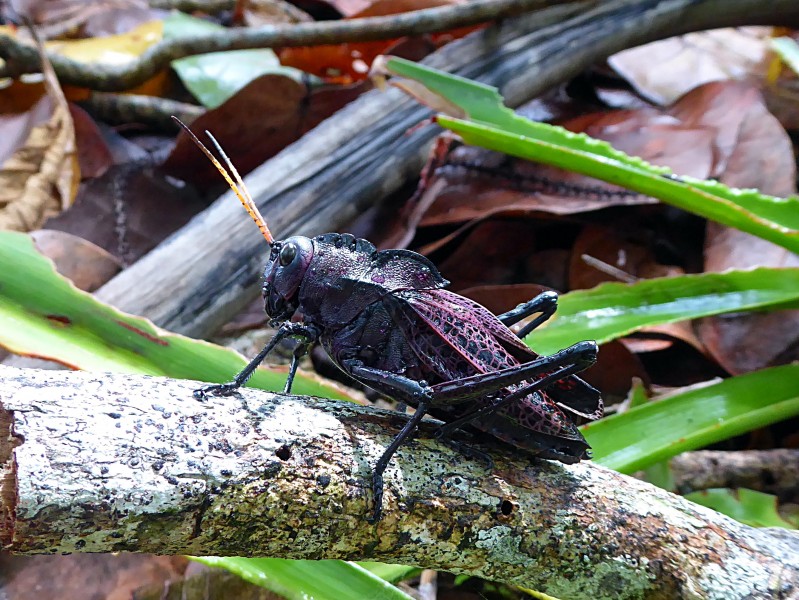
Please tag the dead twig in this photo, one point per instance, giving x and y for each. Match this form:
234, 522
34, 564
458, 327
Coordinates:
772, 471
21, 58
108, 463
133, 108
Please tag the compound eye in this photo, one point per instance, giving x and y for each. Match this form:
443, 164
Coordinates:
287, 254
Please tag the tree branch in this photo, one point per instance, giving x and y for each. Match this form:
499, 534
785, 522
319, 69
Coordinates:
22, 58
773, 471
106, 463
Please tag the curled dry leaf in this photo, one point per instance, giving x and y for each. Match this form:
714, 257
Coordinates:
41, 177
94, 155
464, 183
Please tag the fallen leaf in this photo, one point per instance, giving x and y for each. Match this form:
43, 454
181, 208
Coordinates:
88, 266
16, 128
94, 156
116, 50
111, 50
256, 123
494, 251
215, 77
41, 177
624, 248
59, 18
756, 153
129, 209
688, 61
107, 576
257, 13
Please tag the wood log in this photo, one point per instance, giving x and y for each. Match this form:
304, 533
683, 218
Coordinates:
112, 463
202, 275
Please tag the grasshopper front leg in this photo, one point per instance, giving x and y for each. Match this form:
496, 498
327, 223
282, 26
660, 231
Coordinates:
305, 333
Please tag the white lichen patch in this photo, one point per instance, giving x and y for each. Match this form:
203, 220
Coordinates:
293, 420
504, 545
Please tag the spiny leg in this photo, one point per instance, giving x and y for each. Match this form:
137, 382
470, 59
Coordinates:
545, 303
581, 355
377, 476
300, 351
287, 330
526, 390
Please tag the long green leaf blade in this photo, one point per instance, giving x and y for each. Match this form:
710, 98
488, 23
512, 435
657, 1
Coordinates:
729, 207
494, 126
694, 419
310, 579
612, 310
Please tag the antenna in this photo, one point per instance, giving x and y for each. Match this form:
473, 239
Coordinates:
237, 186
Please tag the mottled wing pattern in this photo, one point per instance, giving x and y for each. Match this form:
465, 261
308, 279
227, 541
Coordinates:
459, 343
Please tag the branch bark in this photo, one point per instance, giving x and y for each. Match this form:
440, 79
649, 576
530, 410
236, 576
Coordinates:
21, 58
108, 463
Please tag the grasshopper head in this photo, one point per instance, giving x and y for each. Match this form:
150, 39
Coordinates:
284, 273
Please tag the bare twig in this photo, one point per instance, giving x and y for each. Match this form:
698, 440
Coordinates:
21, 58
132, 108
101, 463
772, 471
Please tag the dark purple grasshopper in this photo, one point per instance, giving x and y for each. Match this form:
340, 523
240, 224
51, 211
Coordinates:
385, 320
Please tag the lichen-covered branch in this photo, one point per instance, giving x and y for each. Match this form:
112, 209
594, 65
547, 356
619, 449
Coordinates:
21, 58
107, 463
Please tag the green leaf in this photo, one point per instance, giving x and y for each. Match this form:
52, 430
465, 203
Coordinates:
496, 127
695, 418
69, 326
773, 219
747, 506
214, 77
309, 579
612, 310
391, 573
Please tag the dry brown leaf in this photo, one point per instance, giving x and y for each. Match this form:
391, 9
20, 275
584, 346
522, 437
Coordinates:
757, 154
41, 178
688, 61
87, 265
